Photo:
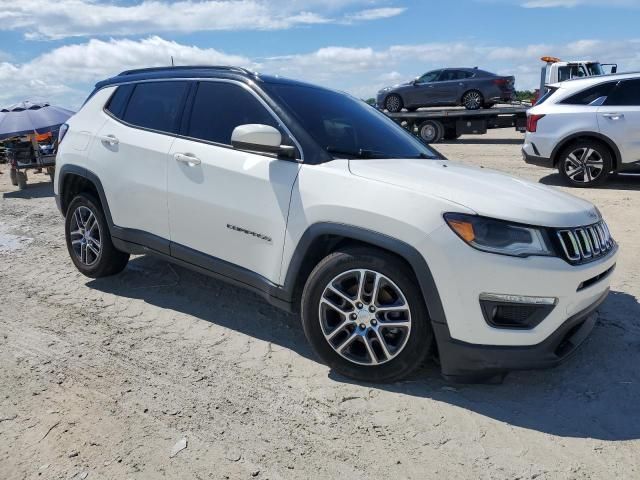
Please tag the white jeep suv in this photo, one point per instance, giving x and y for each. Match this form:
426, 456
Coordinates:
587, 128
323, 205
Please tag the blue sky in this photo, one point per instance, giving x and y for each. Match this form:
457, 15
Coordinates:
58, 50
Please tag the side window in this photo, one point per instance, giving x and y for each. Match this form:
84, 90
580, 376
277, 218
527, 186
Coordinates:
627, 93
156, 105
118, 100
590, 95
429, 77
449, 75
220, 107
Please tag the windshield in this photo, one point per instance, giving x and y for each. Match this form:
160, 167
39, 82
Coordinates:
346, 126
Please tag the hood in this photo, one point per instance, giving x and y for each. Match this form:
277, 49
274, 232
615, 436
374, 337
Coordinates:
487, 192
397, 85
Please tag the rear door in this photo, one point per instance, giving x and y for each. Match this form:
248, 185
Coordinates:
619, 119
450, 86
228, 206
130, 156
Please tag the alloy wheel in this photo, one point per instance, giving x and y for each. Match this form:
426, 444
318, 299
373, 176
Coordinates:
393, 103
365, 317
584, 165
85, 236
473, 100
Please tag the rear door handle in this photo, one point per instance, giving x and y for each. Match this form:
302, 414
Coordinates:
613, 116
110, 139
188, 158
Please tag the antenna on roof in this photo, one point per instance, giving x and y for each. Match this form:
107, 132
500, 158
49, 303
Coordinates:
172, 61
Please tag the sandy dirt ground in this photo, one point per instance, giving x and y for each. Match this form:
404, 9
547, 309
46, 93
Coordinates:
102, 379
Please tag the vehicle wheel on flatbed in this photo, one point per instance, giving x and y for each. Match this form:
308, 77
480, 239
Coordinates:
364, 315
585, 163
13, 176
21, 179
393, 103
431, 131
89, 241
472, 100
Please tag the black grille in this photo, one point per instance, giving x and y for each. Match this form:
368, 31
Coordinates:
584, 244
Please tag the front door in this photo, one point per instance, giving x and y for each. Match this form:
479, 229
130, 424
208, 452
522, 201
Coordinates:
228, 208
619, 119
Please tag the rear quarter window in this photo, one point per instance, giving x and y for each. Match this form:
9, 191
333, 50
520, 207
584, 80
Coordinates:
118, 100
590, 95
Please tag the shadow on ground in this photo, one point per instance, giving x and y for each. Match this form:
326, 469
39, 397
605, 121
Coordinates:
619, 181
593, 395
35, 190
483, 141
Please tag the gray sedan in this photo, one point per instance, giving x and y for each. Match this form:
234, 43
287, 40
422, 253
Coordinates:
468, 87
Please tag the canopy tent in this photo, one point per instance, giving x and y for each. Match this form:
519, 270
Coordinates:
28, 117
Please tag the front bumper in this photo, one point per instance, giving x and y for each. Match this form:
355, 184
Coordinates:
468, 363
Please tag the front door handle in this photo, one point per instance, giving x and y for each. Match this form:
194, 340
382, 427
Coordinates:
110, 139
188, 158
613, 116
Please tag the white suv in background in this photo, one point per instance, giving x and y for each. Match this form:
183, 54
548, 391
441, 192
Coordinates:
323, 205
586, 128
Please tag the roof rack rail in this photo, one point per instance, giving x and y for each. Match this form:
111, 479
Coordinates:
187, 67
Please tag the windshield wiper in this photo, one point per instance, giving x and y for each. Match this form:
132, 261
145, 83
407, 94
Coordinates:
360, 153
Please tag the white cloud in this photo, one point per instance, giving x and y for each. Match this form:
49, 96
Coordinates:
376, 13
65, 75
43, 19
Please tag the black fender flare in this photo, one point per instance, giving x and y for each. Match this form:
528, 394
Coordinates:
617, 157
415, 260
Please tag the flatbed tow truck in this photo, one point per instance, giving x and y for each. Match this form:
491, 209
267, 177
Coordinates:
433, 125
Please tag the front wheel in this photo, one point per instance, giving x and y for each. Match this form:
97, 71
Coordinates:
472, 100
393, 103
585, 163
364, 315
89, 241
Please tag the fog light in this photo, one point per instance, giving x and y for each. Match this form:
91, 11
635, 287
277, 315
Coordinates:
515, 311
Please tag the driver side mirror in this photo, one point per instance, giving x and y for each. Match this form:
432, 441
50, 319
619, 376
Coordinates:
255, 137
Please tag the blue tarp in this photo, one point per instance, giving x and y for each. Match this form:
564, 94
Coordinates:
26, 117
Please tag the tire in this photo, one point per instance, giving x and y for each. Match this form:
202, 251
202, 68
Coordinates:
108, 260
585, 163
13, 176
431, 131
406, 346
472, 100
21, 179
393, 103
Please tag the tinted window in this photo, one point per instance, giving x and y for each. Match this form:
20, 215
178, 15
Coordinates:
220, 107
627, 93
155, 105
590, 95
550, 91
429, 77
448, 75
344, 126
118, 100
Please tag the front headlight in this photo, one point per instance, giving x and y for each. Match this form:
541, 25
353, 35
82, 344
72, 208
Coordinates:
498, 236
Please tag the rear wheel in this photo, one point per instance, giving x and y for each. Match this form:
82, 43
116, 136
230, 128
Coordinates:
21, 179
472, 100
364, 315
431, 131
585, 163
13, 176
393, 103
89, 241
